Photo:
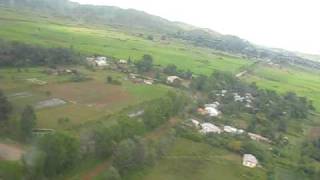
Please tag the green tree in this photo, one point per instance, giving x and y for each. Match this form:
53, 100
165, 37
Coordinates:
5, 107
61, 153
145, 65
27, 121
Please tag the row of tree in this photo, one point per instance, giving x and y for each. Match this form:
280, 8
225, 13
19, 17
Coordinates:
19, 54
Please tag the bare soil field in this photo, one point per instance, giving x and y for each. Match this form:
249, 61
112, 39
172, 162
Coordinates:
10, 152
90, 93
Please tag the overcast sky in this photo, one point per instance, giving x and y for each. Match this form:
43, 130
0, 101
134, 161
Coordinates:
288, 24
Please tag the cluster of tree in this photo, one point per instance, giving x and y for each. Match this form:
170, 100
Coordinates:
5, 107
113, 81
145, 64
54, 155
172, 70
20, 54
311, 149
137, 153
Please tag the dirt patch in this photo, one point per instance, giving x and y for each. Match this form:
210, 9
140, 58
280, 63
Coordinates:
89, 93
96, 171
10, 152
314, 133
50, 103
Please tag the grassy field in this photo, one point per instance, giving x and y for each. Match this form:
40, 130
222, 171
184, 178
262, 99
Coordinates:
86, 101
191, 160
304, 83
46, 31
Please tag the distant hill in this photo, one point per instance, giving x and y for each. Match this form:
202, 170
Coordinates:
135, 20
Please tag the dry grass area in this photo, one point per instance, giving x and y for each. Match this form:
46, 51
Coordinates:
91, 93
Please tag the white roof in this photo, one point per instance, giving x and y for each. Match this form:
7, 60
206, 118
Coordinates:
101, 62
172, 78
209, 128
195, 122
230, 129
212, 111
250, 158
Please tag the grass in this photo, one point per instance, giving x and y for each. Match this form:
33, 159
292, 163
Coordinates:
112, 42
190, 160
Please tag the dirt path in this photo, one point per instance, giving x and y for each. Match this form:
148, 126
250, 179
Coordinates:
94, 172
10, 152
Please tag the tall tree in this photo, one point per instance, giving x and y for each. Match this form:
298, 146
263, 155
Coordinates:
145, 65
27, 121
5, 107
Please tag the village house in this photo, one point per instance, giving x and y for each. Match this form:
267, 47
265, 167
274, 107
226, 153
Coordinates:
100, 61
209, 128
148, 81
212, 112
257, 137
249, 160
196, 123
230, 129
173, 79
122, 61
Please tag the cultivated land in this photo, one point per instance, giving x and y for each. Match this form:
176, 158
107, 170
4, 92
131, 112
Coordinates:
85, 101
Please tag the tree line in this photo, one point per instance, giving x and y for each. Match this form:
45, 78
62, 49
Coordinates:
16, 54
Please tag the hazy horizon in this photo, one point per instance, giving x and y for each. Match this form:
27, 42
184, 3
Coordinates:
282, 24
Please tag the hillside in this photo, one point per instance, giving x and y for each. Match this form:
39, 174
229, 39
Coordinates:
136, 21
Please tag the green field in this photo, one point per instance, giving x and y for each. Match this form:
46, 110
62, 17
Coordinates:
191, 160
111, 42
303, 82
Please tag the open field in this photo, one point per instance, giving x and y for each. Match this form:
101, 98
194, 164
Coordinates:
85, 101
112, 42
191, 160
304, 83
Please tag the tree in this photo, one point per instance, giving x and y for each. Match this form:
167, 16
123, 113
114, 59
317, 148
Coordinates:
27, 121
170, 69
61, 153
145, 65
5, 107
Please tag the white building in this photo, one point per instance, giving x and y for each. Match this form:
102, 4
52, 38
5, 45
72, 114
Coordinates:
249, 160
122, 61
195, 123
257, 137
172, 79
213, 105
230, 129
209, 128
213, 112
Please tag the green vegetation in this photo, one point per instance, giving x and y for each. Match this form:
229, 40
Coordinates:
192, 160
303, 82
114, 43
